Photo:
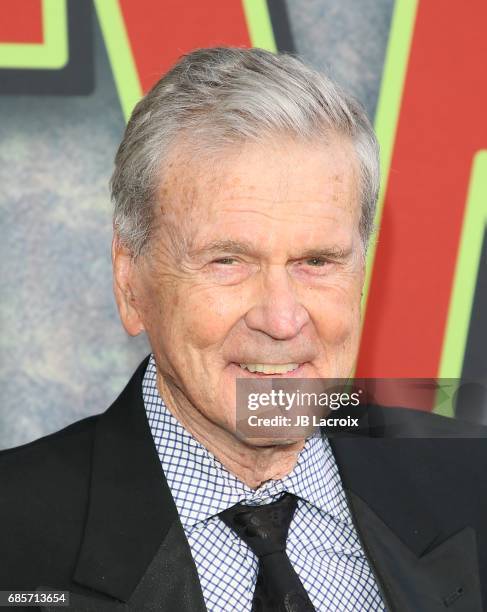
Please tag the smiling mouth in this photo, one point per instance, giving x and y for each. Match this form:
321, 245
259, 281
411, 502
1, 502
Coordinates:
269, 368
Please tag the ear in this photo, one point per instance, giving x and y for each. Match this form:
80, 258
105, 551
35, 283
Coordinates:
123, 288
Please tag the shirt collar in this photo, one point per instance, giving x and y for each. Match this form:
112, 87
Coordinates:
202, 487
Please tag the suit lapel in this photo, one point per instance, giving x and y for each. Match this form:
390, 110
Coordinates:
445, 577
420, 563
134, 548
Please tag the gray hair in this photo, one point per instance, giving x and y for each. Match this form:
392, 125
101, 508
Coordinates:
221, 96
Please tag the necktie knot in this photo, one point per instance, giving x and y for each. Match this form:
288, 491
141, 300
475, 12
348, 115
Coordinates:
263, 528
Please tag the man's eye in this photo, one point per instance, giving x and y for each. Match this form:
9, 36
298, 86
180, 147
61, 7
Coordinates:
225, 260
317, 261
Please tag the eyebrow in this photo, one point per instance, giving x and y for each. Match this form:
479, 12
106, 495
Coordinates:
244, 248
218, 246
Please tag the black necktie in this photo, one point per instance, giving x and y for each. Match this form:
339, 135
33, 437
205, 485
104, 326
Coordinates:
264, 529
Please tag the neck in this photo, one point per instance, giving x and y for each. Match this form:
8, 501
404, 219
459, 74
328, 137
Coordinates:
252, 465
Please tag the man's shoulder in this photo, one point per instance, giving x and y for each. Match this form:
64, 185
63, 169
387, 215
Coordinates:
46, 489
44, 498
48, 472
423, 458
69, 441
436, 448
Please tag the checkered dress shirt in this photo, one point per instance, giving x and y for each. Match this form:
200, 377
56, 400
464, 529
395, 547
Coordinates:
322, 543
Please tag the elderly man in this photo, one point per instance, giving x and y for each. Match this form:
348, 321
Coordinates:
244, 194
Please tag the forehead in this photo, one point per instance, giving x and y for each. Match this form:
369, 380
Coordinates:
262, 187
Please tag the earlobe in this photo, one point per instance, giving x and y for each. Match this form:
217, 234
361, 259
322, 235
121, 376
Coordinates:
123, 280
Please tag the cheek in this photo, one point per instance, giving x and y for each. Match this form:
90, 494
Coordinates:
337, 316
205, 315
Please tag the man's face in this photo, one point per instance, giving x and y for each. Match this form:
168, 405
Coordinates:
255, 260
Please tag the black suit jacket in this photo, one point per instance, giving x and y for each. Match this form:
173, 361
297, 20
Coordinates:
88, 509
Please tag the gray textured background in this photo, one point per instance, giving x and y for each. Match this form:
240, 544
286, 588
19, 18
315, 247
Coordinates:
63, 352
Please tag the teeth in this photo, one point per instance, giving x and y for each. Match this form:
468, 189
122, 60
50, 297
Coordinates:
269, 368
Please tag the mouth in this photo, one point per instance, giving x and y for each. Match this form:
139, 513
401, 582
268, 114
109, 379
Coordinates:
284, 370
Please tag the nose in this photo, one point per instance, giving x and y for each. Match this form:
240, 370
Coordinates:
277, 311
